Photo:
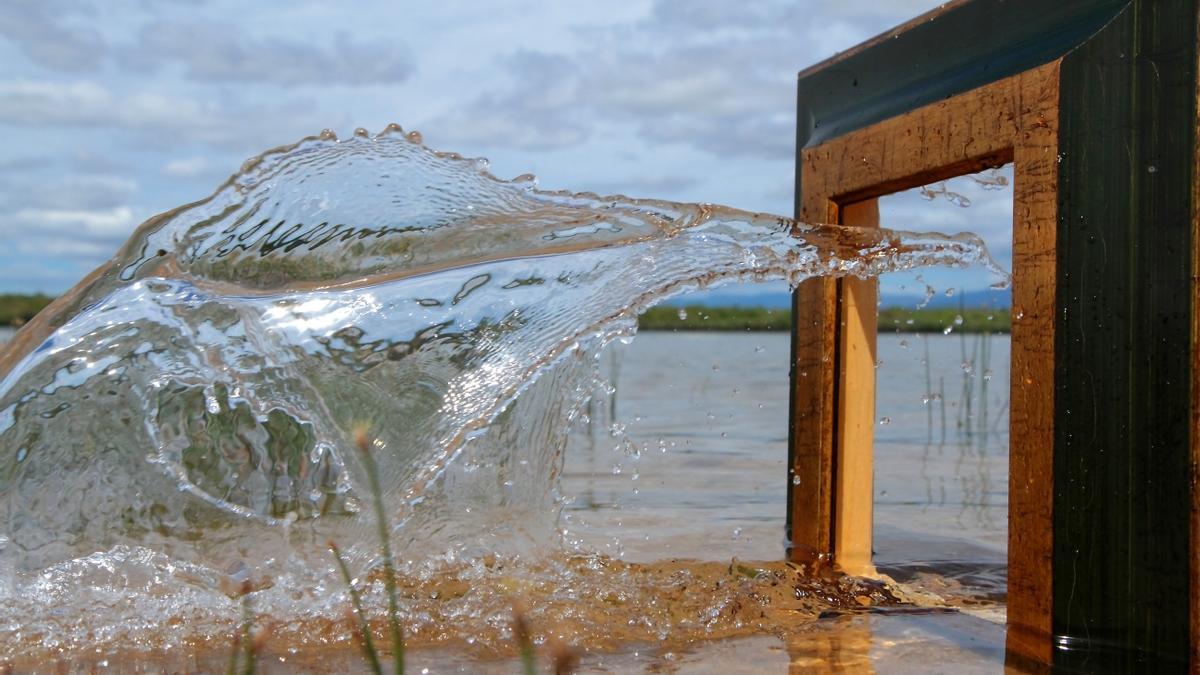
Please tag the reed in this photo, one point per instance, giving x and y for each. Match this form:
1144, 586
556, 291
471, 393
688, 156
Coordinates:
364, 630
245, 645
362, 442
524, 641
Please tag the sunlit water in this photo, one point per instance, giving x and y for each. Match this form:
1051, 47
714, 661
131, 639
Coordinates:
180, 425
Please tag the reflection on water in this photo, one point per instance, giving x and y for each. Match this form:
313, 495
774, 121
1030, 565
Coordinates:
942, 461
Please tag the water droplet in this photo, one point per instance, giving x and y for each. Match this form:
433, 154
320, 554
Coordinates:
884, 421
958, 320
1152, 169
947, 330
904, 344
737, 532
795, 480
949, 292
929, 293
21, 454
682, 314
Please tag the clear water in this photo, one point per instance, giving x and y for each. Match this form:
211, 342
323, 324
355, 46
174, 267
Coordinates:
181, 422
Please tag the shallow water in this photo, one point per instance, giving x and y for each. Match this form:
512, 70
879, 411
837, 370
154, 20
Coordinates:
179, 428
717, 492
707, 416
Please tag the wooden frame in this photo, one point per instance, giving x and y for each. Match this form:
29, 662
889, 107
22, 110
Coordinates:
1095, 104
1014, 120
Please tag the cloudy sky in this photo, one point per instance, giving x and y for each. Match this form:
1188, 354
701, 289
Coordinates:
116, 110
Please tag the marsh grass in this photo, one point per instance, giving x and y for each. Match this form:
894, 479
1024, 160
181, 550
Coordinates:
245, 643
891, 319
524, 641
360, 619
363, 443
16, 308
564, 659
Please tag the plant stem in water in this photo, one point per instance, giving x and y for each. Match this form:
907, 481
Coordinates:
389, 570
368, 645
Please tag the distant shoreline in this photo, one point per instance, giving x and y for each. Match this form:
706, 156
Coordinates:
891, 319
16, 309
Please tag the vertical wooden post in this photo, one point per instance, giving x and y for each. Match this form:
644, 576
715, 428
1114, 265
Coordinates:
854, 423
810, 515
831, 494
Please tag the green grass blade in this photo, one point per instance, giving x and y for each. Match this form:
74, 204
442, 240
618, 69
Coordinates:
368, 644
396, 634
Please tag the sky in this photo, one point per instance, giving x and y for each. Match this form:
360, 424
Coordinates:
114, 111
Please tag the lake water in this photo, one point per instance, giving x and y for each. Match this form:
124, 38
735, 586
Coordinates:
686, 459
704, 471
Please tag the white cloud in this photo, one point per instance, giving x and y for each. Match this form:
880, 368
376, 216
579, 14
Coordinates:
163, 119
218, 51
38, 28
187, 168
712, 75
85, 103
102, 223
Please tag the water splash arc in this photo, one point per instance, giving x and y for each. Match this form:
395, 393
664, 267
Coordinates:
193, 400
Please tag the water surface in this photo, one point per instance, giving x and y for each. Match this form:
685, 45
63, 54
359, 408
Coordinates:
179, 428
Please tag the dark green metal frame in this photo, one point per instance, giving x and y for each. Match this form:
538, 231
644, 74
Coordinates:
1123, 351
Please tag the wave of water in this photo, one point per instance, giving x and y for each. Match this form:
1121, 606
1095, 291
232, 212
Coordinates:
185, 414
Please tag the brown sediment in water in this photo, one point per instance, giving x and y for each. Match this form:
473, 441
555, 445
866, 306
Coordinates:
586, 604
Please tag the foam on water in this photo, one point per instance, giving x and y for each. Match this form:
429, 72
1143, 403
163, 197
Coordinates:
184, 416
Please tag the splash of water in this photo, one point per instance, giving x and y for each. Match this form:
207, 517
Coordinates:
186, 411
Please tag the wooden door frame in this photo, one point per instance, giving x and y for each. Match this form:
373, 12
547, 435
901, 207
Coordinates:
1096, 104
1012, 120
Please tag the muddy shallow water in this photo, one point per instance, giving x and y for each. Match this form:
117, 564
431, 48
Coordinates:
686, 461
